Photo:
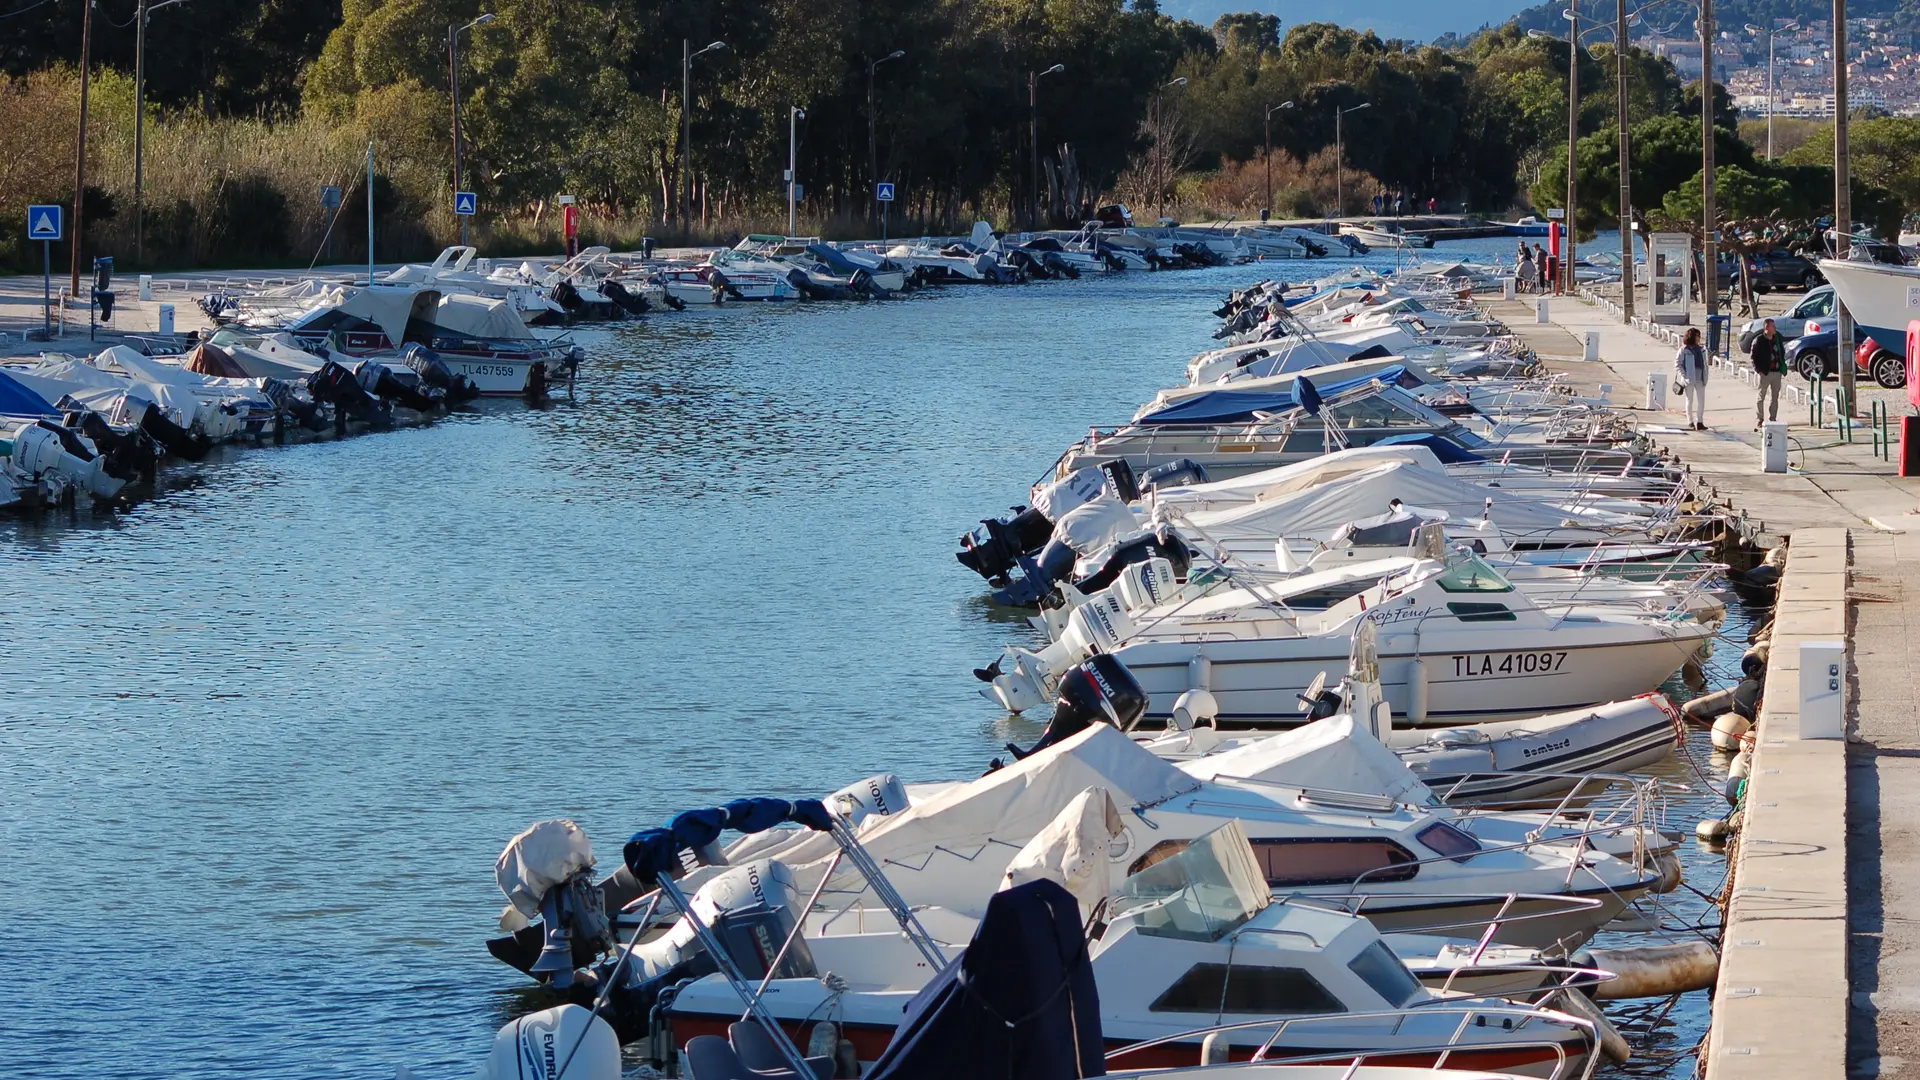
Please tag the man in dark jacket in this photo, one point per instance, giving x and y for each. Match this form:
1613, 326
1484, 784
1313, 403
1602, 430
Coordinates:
1769, 355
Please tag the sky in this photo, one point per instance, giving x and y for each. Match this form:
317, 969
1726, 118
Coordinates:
1418, 20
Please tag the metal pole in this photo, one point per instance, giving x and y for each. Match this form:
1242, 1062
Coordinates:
1033, 155
1339, 195
873, 143
793, 137
1710, 219
1269, 127
453, 80
1842, 199
1769, 93
80, 155
686, 121
1626, 178
369, 213
46, 288
139, 128
1565, 284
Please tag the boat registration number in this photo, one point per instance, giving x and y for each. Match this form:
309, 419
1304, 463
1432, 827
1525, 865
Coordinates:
497, 371
1483, 665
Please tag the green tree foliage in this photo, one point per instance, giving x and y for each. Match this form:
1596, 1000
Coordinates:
1737, 193
1883, 151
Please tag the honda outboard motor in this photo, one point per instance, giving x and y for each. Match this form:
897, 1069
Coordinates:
378, 379
629, 302
436, 375
1097, 690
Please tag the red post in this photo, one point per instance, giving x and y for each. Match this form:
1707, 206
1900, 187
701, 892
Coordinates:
570, 225
1553, 253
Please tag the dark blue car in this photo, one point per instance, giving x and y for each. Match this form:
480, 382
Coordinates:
1811, 356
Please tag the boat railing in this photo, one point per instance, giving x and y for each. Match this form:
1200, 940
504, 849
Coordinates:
1471, 1018
1539, 906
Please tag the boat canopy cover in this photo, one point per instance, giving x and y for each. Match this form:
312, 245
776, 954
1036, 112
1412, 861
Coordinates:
1072, 850
835, 259
1299, 476
387, 306
1332, 754
212, 360
17, 400
479, 317
653, 852
1238, 406
1448, 451
1022, 996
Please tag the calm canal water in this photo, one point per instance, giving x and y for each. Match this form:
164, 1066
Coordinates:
263, 735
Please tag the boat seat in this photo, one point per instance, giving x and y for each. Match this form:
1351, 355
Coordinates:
754, 1049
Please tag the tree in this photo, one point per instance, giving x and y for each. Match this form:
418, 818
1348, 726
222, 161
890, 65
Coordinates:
1737, 194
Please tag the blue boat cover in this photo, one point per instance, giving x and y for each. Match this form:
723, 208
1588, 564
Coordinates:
17, 400
1019, 1004
1448, 451
652, 852
1237, 406
833, 259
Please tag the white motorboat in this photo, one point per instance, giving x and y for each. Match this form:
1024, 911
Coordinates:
1459, 642
455, 271
710, 285
1883, 299
1385, 236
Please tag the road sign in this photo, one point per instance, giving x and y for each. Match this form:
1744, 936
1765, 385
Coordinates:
465, 203
1556, 214
45, 222
883, 192
330, 197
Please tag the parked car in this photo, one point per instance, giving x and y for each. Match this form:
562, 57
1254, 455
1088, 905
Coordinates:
1817, 304
1783, 269
1811, 355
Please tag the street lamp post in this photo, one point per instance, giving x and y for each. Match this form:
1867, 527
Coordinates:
1165, 170
141, 14
1573, 143
873, 141
1339, 159
1267, 122
453, 84
686, 120
1626, 183
1033, 132
1771, 32
80, 152
795, 114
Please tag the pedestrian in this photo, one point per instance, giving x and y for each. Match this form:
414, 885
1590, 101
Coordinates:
1545, 263
1524, 271
1524, 253
1433, 205
1690, 373
1377, 200
1770, 363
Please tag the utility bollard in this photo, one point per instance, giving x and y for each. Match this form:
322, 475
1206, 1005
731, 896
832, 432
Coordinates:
1882, 449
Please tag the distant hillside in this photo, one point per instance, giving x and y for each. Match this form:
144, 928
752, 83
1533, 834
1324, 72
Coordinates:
1412, 20
1729, 16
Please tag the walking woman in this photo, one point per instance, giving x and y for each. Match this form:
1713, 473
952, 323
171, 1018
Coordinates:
1690, 371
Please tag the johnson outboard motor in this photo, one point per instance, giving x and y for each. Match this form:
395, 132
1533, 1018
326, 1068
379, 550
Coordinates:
294, 401
629, 302
1097, 690
1139, 550
378, 379
437, 376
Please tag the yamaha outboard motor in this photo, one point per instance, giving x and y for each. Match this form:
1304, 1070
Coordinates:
378, 379
1097, 690
629, 302
436, 375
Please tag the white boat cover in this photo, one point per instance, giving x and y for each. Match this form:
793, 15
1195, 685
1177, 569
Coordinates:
387, 306
1091, 527
1072, 850
480, 317
1282, 480
1332, 754
1345, 371
536, 860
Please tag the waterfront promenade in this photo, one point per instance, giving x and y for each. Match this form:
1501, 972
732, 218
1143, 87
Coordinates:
1820, 973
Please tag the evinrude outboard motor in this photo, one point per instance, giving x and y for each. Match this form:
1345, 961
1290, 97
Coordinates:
568, 1042
57, 457
436, 375
1097, 690
630, 302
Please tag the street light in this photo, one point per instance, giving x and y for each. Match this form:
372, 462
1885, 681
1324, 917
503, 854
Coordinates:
686, 119
1339, 152
1771, 33
1033, 114
1267, 122
1164, 157
453, 83
873, 142
140, 118
795, 114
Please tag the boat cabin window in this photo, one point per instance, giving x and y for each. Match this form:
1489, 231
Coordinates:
1333, 861
1466, 573
1449, 841
1261, 991
1203, 891
1380, 969
1482, 612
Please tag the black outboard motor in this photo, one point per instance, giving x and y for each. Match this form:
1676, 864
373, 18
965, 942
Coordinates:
991, 549
289, 399
630, 302
1180, 473
805, 284
436, 375
1142, 549
130, 456
379, 380
861, 283
1097, 690
568, 297
176, 440
1058, 263
335, 384
1037, 575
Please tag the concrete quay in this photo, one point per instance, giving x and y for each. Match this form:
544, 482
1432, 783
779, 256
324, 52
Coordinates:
1820, 966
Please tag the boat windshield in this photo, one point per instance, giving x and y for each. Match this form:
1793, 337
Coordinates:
1466, 573
1207, 890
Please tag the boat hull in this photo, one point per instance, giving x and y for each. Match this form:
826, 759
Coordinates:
1882, 299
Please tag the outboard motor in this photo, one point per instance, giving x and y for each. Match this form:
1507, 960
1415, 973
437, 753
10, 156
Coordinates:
129, 456
378, 379
48, 452
1139, 550
335, 384
1182, 473
176, 440
293, 401
990, 549
568, 297
436, 375
861, 283
568, 1042
1058, 263
1097, 690
629, 302
1037, 575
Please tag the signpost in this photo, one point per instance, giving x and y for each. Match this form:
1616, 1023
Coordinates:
465, 203
883, 194
46, 223
570, 224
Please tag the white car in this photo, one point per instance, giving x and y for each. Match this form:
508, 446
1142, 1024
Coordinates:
1817, 304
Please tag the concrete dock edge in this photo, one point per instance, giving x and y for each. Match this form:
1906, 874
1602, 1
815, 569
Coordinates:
1780, 1004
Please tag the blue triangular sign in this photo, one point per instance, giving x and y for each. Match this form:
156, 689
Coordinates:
43, 222
464, 202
